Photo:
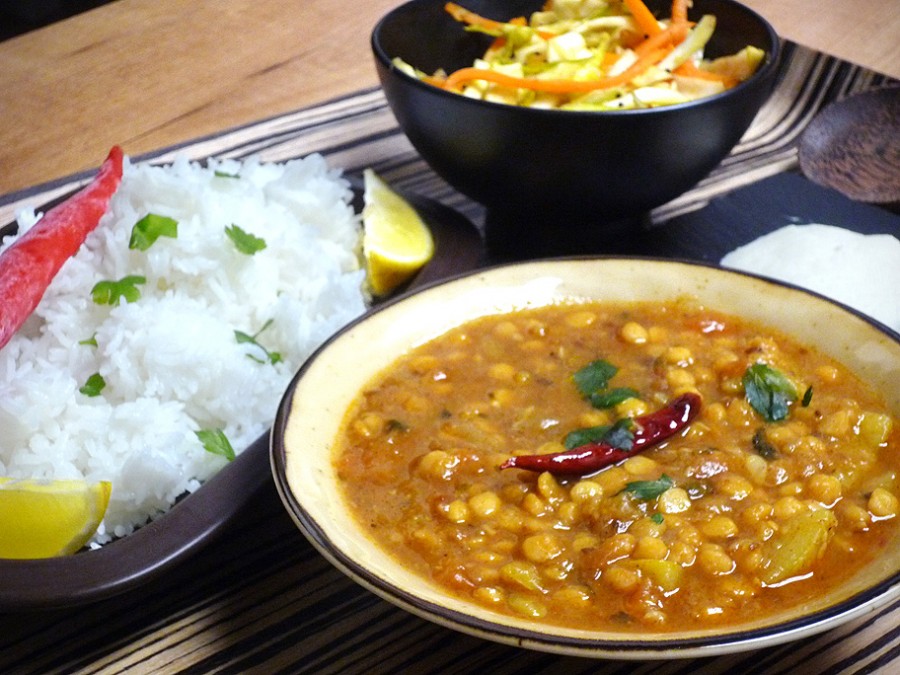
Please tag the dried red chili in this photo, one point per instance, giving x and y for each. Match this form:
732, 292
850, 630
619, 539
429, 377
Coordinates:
650, 430
29, 265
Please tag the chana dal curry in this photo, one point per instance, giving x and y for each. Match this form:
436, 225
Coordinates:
614, 466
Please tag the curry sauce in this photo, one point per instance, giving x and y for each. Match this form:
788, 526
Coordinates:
782, 485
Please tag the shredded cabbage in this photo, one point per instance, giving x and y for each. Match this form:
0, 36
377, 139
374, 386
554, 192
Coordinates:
592, 55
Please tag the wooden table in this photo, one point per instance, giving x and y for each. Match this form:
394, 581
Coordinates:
288, 78
148, 74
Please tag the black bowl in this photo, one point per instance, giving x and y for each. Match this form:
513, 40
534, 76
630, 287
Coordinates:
562, 181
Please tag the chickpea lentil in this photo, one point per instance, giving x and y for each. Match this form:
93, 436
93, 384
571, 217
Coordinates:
634, 333
713, 559
622, 579
674, 500
883, 504
650, 548
542, 547
485, 504
720, 527
825, 488
581, 319
640, 465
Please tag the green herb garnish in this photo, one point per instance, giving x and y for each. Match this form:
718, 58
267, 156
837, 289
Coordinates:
110, 292
768, 391
620, 435
594, 377
150, 228
657, 518
218, 173
762, 446
216, 442
94, 385
244, 241
579, 437
612, 397
807, 397
244, 338
89, 342
393, 425
649, 489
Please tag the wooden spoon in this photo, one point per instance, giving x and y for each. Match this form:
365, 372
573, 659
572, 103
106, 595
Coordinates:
853, 146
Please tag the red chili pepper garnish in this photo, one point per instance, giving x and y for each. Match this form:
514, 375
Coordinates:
650, 429
29, 265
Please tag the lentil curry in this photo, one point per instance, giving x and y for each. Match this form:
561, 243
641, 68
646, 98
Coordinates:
780, 486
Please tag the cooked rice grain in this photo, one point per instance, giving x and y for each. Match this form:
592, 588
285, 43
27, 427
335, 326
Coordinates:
170, 360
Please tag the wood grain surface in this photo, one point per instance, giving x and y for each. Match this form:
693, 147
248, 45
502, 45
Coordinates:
148, 74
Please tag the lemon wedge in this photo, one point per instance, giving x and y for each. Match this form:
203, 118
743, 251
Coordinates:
396, 242
43, 519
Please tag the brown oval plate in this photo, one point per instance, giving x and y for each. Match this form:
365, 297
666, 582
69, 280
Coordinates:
198, 518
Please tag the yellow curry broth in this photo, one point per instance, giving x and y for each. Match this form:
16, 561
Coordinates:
758, 514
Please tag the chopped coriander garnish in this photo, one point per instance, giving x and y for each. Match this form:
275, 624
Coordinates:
807, 397
579, 437
762, 446
768, 391
393, 425
244, 338
224, 174
594, 377
620, 435
612, 397
110, 292
649, 489
150, 228
657, 518
89, 342
216, 442
94, 385
244, 241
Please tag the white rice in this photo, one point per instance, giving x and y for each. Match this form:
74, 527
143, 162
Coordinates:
170, 360
858, 270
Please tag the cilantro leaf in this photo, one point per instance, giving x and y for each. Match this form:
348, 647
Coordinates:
649, 489
244, 241
579, 437
762, 446
110, 292
594, 377
94, 385
245, 338
612, 397
768, 391
218, 173
658, 518
216, 442
150, 228
807, 397
89, 342
620, 435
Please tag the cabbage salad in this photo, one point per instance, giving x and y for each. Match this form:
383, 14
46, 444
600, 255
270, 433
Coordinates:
594, 55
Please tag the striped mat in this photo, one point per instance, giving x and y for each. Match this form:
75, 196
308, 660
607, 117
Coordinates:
260, 599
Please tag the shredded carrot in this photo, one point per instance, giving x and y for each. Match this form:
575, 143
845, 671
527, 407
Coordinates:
464, 15
680, 10
689, 69
469, 17
643, 16
464, 75
669, 37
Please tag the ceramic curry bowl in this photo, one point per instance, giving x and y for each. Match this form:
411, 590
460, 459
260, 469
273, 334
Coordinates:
314, 484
